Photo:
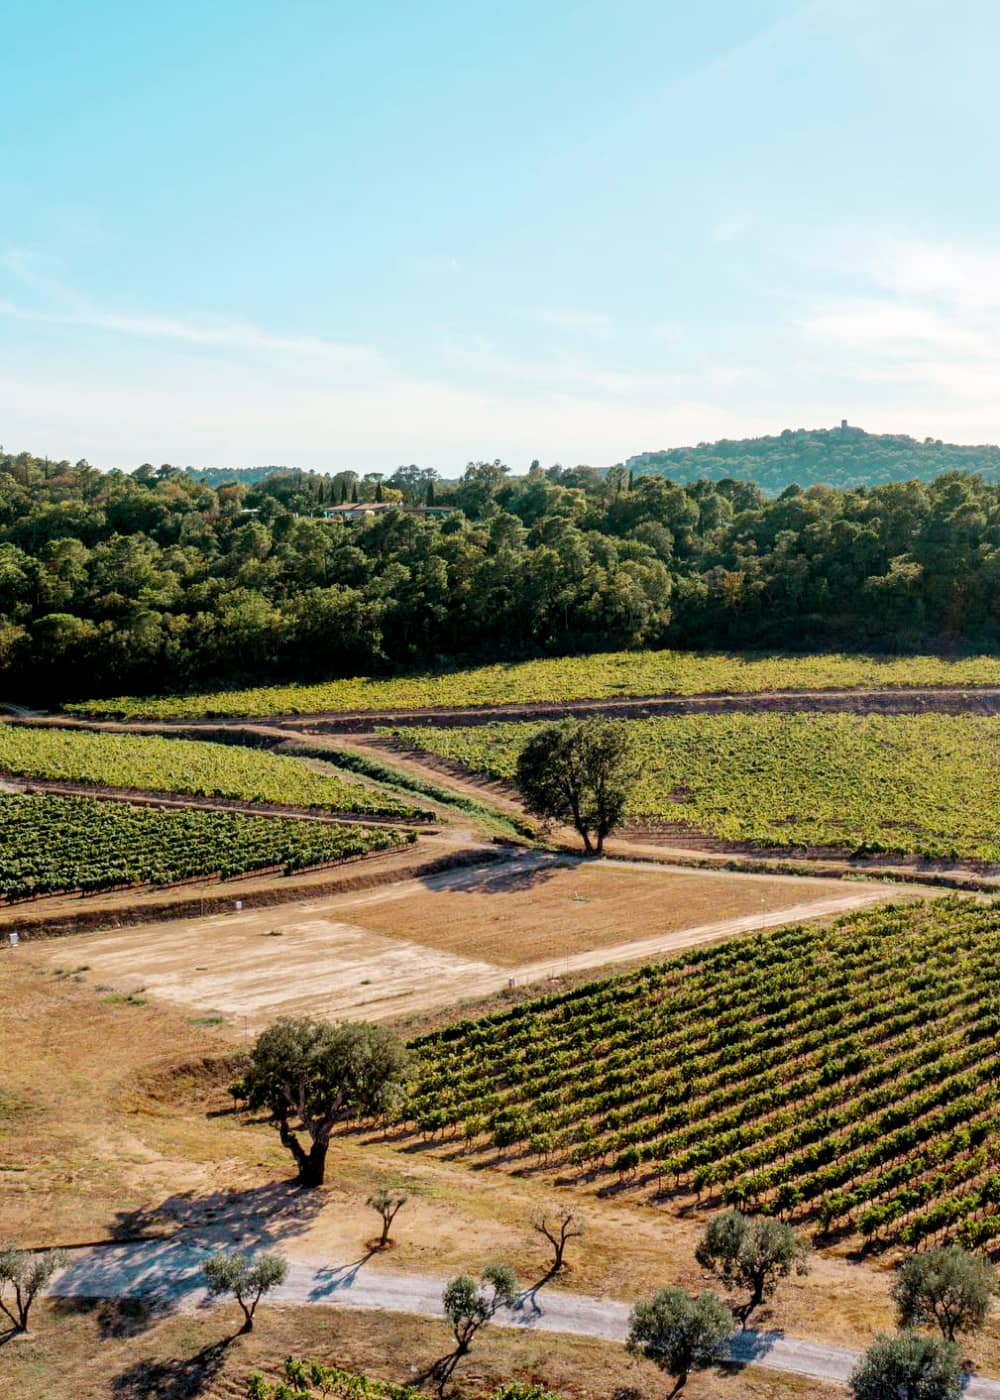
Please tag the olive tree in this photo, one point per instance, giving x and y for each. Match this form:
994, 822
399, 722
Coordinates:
908, 1366
558, 1227
680, 1332
946, 1287
246, 1277
25, 1272
388, 1204
753, 1253
469, 1306
578, 771
311, 1075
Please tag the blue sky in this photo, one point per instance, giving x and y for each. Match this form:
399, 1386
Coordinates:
355, 235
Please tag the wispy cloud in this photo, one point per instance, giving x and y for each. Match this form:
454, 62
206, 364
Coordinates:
60, 305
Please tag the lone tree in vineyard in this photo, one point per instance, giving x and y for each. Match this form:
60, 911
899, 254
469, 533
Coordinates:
578, 771
26, 1274
311, 1076
946, 1287
246, 1277
753, 1253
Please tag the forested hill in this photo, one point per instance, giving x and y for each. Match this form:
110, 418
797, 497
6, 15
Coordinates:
113, 583
843, 457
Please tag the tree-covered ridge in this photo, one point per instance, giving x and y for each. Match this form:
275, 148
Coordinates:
846, 458
153, 582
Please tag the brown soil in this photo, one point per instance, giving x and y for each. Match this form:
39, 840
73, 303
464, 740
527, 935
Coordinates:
441, 940
57, 915
95, 1351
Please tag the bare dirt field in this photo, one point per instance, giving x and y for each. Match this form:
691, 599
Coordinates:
417, 944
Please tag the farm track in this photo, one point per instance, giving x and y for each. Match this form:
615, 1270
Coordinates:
170, 1271
902, 700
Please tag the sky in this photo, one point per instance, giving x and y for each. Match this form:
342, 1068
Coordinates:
343, 235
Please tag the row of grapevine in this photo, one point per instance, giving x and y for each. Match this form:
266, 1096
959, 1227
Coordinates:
601, 676
872, 783
149, 763
52, 844
850, 1077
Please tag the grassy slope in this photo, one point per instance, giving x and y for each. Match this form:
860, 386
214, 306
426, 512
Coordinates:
193, 767
919, 784
609, 674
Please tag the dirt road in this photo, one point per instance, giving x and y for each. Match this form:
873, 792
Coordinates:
170, 1272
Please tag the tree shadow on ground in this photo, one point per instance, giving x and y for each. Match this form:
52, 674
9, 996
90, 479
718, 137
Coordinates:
259, 1217
116, 1318
509, 879
338, 1278
179, 1378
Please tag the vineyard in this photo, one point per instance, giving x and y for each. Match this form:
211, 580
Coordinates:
845, 1077
190, 766
925, 785
601, 676
51, 844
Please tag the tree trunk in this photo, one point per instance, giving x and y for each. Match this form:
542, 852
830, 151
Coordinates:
312, 1167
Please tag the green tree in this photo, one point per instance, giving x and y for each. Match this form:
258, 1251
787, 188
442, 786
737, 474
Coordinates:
469, 1306
25, 1272
753, 1253
578, 771
311, 1076
680, 1332
908, 1367
387, 1204
946, 1287
246, 1277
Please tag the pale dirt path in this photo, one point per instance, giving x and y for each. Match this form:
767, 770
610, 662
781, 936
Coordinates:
171, 1273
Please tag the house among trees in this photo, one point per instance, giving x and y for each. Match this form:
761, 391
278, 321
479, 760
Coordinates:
355, 511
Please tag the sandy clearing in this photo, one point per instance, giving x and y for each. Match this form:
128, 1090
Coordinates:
420, 945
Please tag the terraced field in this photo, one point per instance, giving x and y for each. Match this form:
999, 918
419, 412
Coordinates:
845, 1077
147, 763
601, 676
51, 844
924, 785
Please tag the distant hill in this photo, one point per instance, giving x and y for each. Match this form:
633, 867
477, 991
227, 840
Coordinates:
249, 476
845, 457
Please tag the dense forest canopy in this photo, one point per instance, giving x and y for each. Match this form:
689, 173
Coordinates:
111, 583
844, 457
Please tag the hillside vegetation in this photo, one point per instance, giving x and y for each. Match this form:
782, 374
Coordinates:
50, 844
844, 458
195, 768
116, 584
926, 785
845, 1077
606, 675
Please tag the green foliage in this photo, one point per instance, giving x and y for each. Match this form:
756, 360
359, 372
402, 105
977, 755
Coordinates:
848, 1077
680, 1332
606, 675
908, 1367
578, 771
311, 1379
926, 785
149, 763
751, 1253
23, 1275
945, 1287
843, 458
49, 844
311, 1075
247, 1277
